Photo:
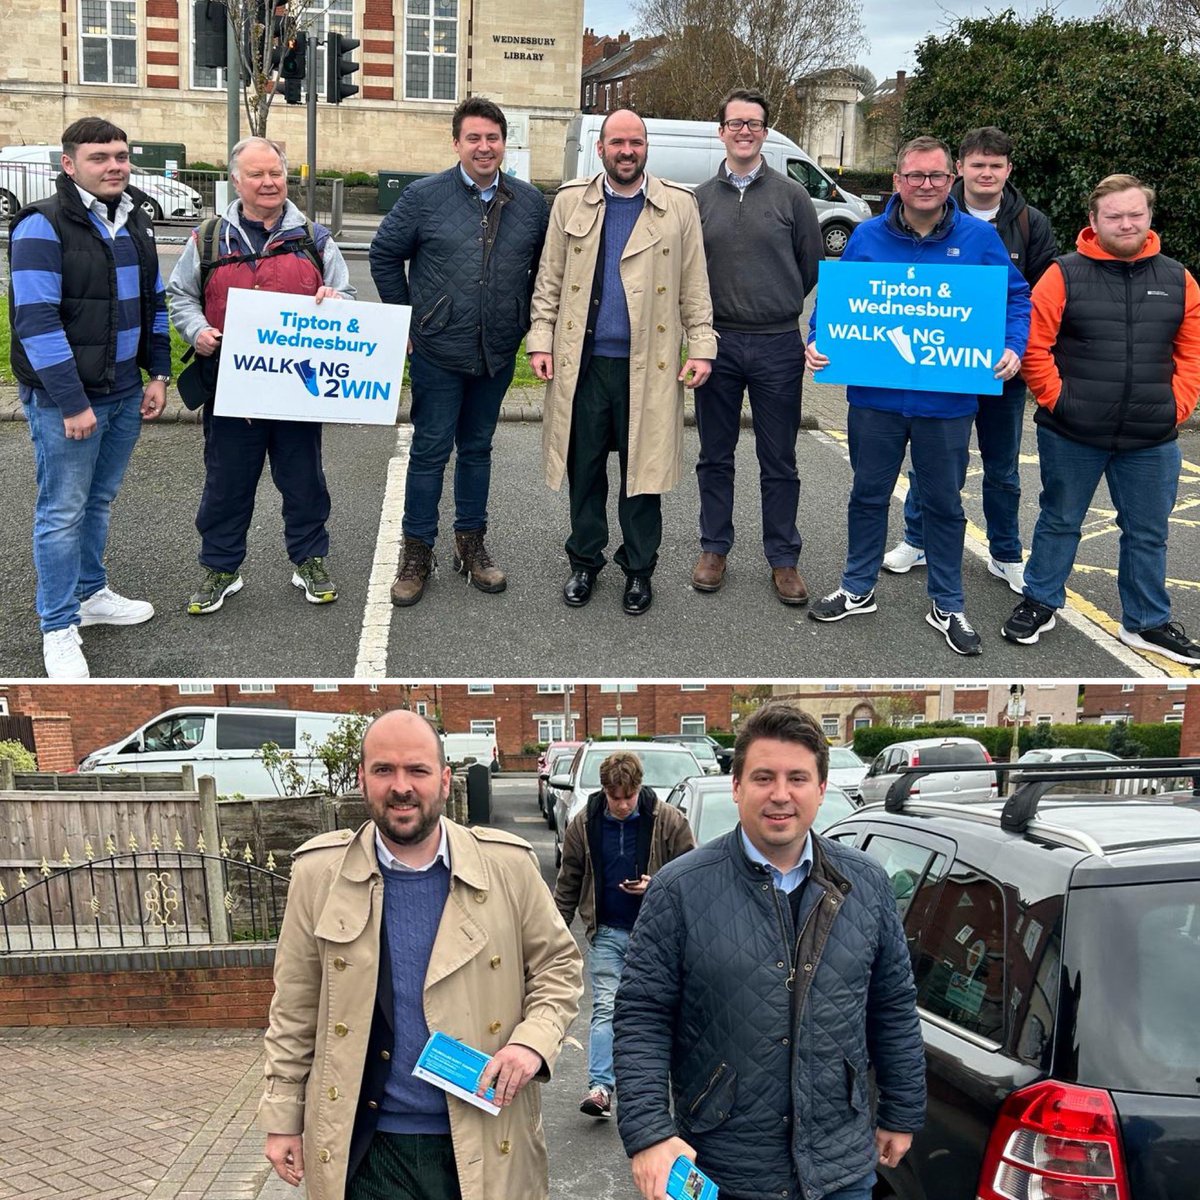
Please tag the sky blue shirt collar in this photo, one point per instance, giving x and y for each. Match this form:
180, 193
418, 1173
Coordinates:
783, 882
485, 194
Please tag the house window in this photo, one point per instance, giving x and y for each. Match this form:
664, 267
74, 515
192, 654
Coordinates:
324, 687
550, 729
196, 689
620, 90
1127, 687
693, 687
422, 707
487, 725
1177, 687
607, 96
693, 725
256, 689
627, 728
831, 687
862, 722
623, 688
551, 689
1045, 719
1173, 719
831, 726
480, 689
430, 49
975, 720
108, 41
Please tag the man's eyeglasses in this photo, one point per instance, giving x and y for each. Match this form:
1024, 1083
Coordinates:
736, 125
916, 178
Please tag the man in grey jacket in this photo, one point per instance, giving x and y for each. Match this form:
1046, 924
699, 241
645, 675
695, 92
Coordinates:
763, 244
766, 976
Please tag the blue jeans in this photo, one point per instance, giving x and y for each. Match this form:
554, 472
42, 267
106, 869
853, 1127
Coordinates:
1142, 485
771, 365
77, 481
855, 1191
451, 411
998, 430
606, 958
938, 446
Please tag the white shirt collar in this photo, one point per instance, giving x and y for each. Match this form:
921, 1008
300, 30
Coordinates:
608, 188
96, 205
390, 862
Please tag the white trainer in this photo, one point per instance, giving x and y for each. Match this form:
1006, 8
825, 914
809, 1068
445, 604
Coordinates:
1013, 573
62, 655
902, 558
105, 607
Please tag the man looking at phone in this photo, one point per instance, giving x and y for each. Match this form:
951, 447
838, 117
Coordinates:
612, 847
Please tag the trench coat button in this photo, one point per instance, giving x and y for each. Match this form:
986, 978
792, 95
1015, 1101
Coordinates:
341, 1029
666, 249
577, 249
494, 1027
661, 328
480, 897
346, 834
334, 1093
574, 287
324, 1156
495, 961
662, 366
386, 1055
570, 324
339, 963
506, 1147
372, 1104
660, 289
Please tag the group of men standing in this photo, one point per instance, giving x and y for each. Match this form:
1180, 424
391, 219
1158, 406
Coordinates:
715, 972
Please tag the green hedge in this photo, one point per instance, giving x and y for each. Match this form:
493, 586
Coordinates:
1155, 741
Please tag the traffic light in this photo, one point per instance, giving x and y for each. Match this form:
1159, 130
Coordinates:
338, 63
294, 67
211, 23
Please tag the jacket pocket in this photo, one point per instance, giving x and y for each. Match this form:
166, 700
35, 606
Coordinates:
856, 1090
713, 1103
436, 317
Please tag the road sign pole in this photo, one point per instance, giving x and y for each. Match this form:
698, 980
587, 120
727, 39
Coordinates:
311, 98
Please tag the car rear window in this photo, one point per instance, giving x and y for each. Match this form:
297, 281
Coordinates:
1134, 1014
945, 756
661, 768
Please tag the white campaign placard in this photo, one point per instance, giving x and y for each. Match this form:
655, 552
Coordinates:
289, 358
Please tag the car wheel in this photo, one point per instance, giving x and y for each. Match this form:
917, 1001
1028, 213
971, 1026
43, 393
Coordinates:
550, 818
8, 205
835, 236
557, 850
152, 209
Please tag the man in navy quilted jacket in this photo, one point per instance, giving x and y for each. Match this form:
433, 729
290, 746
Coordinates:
470, 239
766, 976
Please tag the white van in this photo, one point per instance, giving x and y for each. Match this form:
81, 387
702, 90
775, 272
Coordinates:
690, 152
221, 742
461, 746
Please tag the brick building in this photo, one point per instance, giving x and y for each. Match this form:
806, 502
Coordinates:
1137, 703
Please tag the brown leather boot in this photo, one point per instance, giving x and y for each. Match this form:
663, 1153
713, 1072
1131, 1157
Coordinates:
789, 585
415, 568
472, 560
709, 573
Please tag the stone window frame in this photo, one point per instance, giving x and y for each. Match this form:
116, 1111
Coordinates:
86, 8
432, 22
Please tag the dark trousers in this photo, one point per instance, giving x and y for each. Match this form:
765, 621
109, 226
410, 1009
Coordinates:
600, 423
771, 366
406, 1166
234, 452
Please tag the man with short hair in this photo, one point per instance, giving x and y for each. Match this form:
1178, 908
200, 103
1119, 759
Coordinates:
1114, 364
621, 285
763, 244
921, 224
264, 242
767, 978
470, 237
88, 315
411, 926
984, 189
611, 848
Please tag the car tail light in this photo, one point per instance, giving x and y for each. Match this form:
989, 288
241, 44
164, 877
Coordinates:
1055, 1141
986, 756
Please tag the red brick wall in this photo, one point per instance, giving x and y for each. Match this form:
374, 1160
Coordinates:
1147, 703
237, 997
54, 745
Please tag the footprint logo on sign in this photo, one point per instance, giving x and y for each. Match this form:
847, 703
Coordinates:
305, 371
903, 344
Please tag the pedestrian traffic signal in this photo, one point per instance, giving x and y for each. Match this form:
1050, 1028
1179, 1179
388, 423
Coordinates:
210, 21
294, 67
338, 63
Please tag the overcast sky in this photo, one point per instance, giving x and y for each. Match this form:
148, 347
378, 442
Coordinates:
893, 27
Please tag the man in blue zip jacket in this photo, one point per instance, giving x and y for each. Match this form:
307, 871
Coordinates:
921, 224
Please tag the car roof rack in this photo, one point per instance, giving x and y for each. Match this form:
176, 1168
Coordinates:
1021, 807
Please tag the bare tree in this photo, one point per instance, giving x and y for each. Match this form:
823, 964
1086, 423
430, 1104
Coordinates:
711, 46
1176, 18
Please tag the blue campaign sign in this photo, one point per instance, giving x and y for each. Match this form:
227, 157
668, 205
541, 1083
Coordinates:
912, 325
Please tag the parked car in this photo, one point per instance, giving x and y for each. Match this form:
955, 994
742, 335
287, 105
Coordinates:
846, 769
1057, 754
701, 745
559, 762
707, 802
663, 766
965, 785
28, 173
545, 796
1056, 951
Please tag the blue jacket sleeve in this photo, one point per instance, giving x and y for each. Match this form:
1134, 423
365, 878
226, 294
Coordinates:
394, 245
160, 334
644, 1020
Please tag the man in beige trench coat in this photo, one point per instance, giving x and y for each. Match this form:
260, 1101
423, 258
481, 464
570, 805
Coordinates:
621, 286
413, 925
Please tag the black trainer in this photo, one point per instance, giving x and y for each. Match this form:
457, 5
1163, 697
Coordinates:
1169, 640
1028, 622
956, 629
841, 604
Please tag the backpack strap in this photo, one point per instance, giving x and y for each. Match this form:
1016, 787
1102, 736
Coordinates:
1023, 226
207, 236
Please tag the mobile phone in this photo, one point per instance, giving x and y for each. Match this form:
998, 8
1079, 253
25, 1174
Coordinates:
630, 882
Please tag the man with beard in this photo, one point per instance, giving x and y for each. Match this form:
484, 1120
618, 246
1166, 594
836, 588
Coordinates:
413, 925
622, 284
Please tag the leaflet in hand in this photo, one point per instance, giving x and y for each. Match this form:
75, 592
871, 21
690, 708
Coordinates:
456, 1067
688, 1182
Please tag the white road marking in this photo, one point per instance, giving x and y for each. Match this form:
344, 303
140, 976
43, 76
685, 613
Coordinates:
377, 612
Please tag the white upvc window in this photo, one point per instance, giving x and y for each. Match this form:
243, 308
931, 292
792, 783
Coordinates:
325, 687
693, 724
693, 687
108, 42
196, 689
550, 729
831, 726
480, 689
256, 689
623, 688
484, 725
628, 727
